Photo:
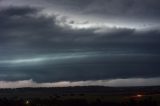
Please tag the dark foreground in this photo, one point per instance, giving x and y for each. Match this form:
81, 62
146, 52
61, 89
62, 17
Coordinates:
81, 96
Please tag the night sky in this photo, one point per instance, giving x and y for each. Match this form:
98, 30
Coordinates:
47, 43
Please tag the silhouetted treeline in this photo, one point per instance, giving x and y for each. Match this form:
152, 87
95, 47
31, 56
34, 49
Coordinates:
84, 89
80, 96
73, 102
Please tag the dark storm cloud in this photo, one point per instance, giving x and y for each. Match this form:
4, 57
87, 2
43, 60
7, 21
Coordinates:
145, 9
94, 53
120, 8
26, 26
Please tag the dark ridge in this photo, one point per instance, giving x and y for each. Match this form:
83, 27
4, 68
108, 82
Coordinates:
82, 89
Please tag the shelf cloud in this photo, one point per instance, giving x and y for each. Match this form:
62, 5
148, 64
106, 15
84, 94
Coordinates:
74, 41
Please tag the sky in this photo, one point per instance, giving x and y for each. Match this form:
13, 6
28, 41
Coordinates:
52, 43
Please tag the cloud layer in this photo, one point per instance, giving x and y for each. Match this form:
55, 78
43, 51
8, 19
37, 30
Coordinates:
38, 43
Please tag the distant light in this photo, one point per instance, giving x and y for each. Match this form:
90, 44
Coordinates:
139, 95
27, 102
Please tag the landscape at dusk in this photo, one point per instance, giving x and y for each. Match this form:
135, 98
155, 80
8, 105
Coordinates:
80, 52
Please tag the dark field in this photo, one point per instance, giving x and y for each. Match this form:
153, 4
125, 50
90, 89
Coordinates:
81, 96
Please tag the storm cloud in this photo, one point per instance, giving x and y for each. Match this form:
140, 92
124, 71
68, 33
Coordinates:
47, 46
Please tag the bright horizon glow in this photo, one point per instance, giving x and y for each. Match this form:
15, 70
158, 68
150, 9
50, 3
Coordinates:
111, 82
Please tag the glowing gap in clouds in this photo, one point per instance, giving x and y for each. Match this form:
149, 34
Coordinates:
67, 56
44, 58
86, 24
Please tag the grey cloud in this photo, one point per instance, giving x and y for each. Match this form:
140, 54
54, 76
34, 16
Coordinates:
130, 13
20, 29
129, 8
119, 53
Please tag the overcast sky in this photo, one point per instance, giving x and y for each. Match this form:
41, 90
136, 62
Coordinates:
98, 42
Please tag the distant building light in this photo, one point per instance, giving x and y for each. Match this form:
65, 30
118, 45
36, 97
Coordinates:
139, 95
27, 102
